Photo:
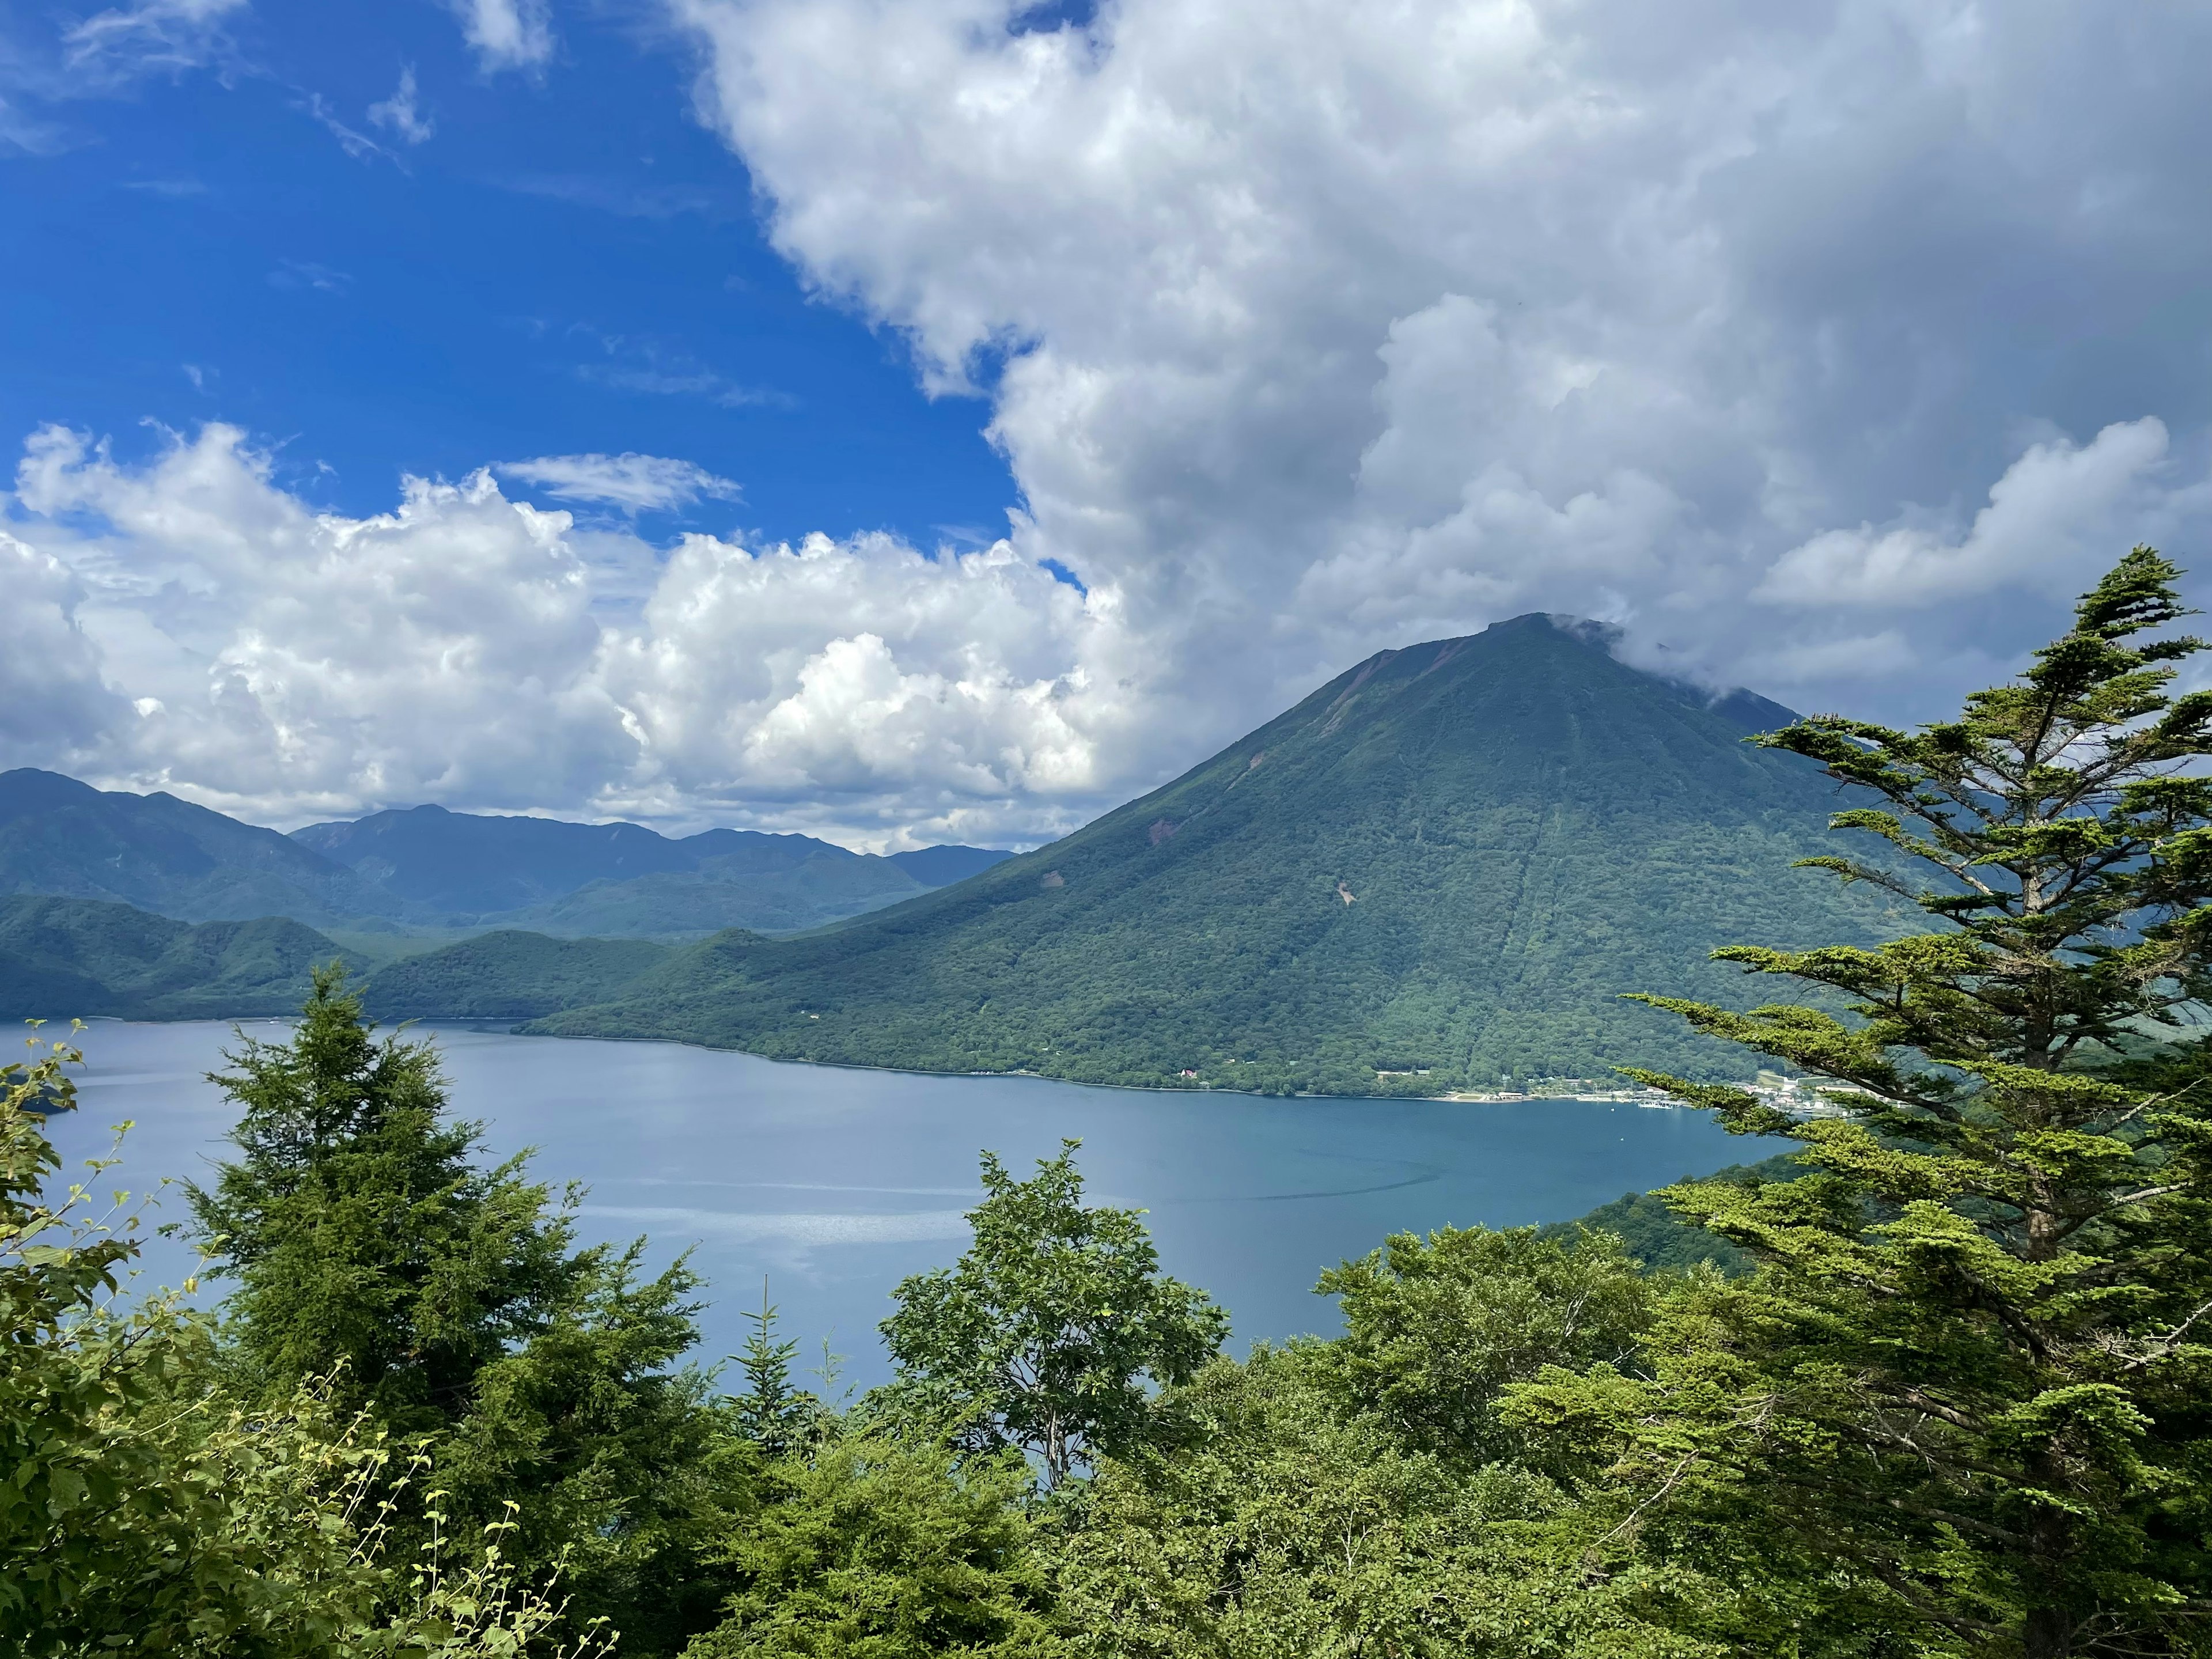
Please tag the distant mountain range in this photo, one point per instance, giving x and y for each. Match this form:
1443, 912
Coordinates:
427, 869
1445, 866
63, 839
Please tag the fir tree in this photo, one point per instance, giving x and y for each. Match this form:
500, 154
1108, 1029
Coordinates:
1967, 1391
770, 1412
374, 1254
367, 1244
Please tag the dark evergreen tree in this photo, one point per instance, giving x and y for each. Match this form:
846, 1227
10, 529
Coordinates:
771, 1412
1969, 1392
371, 1247
367, 1243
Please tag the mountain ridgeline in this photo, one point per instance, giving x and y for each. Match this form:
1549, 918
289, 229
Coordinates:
618, 879
63, 839
425, 870
1443, 868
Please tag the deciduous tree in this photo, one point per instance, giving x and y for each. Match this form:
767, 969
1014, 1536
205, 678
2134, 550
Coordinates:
1054, 1330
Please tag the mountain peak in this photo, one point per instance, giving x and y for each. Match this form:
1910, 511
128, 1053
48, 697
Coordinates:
1450, 861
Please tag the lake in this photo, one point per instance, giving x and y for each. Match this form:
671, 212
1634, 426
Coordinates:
834, 1184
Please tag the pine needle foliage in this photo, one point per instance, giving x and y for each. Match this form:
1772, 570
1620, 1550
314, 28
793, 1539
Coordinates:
1971, 1382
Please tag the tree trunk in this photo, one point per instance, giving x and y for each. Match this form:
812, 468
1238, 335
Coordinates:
2047, 1625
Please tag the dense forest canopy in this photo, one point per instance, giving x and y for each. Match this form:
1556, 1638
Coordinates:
1944, 1390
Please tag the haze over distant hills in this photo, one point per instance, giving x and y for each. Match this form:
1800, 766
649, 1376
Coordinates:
427, 868
621, 879
1446, 865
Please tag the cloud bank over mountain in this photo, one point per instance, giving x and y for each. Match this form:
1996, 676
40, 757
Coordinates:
190, 623
1333, 326
1823, 348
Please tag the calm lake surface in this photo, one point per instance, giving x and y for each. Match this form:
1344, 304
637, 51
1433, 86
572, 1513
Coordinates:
834, 1184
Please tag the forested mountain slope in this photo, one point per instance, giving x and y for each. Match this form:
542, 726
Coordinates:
506, 975
620, 879
1445, 865
63, 958
63, 839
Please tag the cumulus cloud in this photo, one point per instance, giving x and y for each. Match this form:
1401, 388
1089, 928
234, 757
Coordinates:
632, 481
1312, 328
189, 622
507, 34
53, 704
1823, 348
2054, 518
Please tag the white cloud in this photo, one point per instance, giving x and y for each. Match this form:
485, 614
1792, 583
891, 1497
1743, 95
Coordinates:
1328, 327
507, 34
152, 37
2053, 522
850, 673
634, 482
356, 144
1829, 347
480, 652
189, 622
306, 273
23, 135
53, 705
402, 113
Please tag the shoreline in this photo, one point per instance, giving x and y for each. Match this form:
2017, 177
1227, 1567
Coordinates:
503, 1025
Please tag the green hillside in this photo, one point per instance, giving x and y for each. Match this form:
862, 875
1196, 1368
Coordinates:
688, 905
63, 959
1443, 867
508, 975
63, 839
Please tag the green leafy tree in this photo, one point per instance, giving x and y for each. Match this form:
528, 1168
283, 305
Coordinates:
1296, 1523
1054, 1330
1969, 1392
1435, 1327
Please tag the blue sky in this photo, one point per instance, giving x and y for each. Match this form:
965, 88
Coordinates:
910, 421
567, 262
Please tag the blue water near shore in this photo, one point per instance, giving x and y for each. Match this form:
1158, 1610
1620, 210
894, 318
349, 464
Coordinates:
834, 1183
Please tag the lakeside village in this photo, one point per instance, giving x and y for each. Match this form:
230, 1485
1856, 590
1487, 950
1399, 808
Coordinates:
1797, 1097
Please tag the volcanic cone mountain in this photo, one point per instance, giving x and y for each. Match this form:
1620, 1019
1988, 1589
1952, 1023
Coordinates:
1442, 868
